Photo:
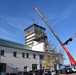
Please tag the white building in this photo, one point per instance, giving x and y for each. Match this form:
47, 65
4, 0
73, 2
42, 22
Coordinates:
16, 57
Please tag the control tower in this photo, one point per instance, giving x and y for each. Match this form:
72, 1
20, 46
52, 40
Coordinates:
35, 36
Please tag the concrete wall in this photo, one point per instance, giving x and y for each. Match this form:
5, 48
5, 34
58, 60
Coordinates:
39, 47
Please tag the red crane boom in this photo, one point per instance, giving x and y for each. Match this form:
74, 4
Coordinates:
72, 61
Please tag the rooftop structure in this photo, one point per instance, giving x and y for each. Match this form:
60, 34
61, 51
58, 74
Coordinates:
34, 35
7, 43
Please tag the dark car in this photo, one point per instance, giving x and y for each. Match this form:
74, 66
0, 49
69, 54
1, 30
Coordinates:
22, 73
42, 72
31, 72
68, 70
11, 73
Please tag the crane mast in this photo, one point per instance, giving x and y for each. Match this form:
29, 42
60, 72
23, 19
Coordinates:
72, 61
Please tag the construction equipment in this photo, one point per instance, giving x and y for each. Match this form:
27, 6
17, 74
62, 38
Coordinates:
70, 39
72, 60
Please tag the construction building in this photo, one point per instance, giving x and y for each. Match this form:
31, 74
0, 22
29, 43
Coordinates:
16, 57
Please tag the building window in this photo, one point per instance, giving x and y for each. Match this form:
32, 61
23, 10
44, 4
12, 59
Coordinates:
2, 52
2, 67
41, 56
34, 56
15, 54
23, 55
27, 55
34, 66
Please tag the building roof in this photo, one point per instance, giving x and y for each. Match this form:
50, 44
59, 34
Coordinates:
8, 43
33, 26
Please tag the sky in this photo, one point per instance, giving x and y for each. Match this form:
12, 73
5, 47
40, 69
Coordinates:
16, 15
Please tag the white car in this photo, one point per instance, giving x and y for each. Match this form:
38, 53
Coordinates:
74, 69
53, 72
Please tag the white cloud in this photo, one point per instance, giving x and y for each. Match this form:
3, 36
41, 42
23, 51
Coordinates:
19, 23
5, 33
17, 26
11, 21
67, 12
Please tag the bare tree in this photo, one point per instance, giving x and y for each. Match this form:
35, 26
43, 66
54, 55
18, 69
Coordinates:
52, 55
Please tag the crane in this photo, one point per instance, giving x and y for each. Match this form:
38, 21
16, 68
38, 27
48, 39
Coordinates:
71, 59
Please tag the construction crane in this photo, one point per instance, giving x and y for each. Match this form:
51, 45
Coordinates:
72, 60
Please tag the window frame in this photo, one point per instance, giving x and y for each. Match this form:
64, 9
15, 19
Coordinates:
41, 57
2, 52
27, 55
34, 56
23, 55
14, 54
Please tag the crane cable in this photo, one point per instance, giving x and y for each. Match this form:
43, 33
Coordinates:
71, 49
70, 44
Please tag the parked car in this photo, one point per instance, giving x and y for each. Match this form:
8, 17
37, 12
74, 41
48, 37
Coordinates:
36, 72
3, 73
22, 73
74, 69
11, 73
42, 72
68, 70
53, 72
31, 72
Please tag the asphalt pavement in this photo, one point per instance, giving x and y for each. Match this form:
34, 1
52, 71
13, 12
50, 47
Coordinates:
72, 74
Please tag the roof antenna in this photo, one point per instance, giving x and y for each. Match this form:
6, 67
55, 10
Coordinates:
34, 19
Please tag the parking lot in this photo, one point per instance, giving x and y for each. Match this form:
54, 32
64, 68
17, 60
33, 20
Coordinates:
72, 74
